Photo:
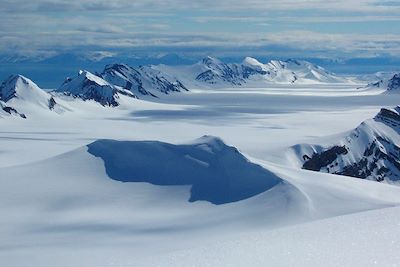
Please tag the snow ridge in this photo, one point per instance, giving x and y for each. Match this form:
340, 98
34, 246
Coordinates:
20, 95
251, 72
145, 81
88, 86
371, 151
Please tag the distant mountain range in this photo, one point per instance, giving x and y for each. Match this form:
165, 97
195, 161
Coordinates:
152, 81
49, 70
213, 73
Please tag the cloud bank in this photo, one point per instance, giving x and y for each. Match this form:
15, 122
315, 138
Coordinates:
312, 27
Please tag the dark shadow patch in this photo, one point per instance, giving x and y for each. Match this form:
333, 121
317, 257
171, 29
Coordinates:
217, 173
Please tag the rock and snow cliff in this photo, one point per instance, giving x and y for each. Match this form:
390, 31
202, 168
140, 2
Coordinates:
371, 151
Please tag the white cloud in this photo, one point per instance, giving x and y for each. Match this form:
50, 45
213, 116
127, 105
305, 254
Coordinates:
76, 5
300, 42
59, 25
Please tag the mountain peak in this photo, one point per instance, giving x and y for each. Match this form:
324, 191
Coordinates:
90, 87
394, 83
16, 86
90, 76
212, 141
23, 95
251, 61
210, 60
117, 67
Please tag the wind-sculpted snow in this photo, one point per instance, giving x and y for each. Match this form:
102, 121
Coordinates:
217, 173
371, 151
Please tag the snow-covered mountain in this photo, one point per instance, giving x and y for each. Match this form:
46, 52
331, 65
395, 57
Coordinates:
158, 80
88, 86
371, 151
19, 95
389, 84
126, 77
215, 73
144, 81
394, 84
305, 71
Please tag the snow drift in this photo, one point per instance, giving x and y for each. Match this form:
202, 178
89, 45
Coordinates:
218, 173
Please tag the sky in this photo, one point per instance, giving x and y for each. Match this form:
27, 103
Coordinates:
101, 28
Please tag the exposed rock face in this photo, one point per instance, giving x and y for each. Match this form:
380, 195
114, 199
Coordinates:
52, 103
371, 151
318, 161
11, 111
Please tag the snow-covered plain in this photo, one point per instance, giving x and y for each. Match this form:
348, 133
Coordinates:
61, 206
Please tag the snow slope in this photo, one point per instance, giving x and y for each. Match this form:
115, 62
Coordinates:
22, 96
361, 239
371, 151
63, 205
70, 205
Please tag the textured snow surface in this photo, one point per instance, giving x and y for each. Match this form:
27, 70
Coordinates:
361, 239
65, 204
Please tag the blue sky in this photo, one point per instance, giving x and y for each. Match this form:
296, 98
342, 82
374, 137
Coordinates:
331, 29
